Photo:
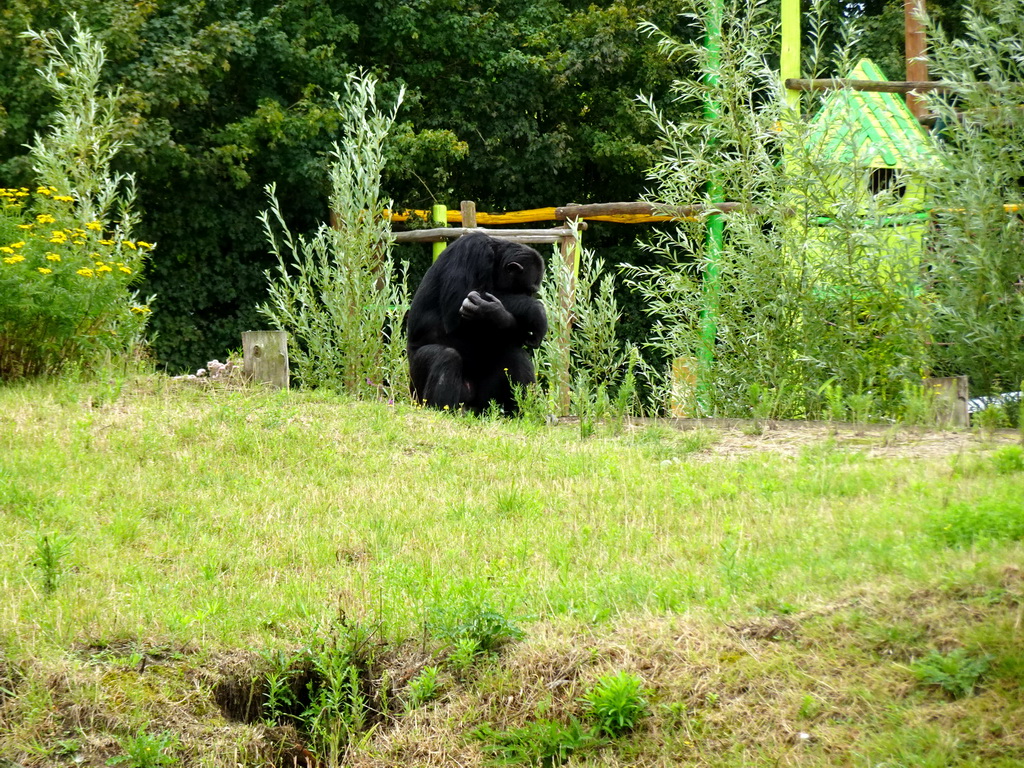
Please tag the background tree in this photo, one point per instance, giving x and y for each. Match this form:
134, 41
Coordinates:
515, 103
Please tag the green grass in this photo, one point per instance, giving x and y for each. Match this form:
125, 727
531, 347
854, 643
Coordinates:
758, 596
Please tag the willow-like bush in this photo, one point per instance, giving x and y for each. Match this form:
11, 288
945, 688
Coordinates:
338, 293
812, 295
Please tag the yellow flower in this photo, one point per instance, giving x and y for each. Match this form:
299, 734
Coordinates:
106, 242
104, 268
64, 198
43, 191
95, 226
14, 259
144, 244
18, 244
141, 310
44, 270
84, 272
6, 249
125, 270
45, 218
25, 226
129, 243
78, 242
51, 256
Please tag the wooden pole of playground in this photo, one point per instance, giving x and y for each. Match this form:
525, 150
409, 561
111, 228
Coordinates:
916, 45
711, 284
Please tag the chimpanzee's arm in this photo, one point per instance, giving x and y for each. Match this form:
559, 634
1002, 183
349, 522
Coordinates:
513, 318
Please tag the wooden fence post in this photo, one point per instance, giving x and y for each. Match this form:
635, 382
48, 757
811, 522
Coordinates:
950, 393
265, 357
569, 252
468, 208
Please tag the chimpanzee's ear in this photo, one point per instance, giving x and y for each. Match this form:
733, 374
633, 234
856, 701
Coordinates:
513, 267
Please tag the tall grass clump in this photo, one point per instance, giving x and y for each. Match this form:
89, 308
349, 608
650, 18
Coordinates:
977, 253
582, 365
338, 294
67, 254
814, 287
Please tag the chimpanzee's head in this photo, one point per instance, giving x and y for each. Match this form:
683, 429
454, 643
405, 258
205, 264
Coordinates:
518, 268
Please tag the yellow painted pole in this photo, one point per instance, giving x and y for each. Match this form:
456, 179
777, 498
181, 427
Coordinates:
790, 60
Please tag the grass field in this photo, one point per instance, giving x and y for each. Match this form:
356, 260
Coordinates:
225, 577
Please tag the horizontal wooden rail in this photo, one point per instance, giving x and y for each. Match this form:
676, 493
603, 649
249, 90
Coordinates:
628, 213
552, 235
666, 212
872, 86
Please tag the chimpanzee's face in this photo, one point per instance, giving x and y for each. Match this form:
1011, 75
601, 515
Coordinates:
521, 272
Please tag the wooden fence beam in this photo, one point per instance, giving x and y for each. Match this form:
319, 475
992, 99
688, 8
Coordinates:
640, 209
552, 235
873, 86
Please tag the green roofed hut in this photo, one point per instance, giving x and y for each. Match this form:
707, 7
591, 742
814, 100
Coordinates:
875, 132
872, 143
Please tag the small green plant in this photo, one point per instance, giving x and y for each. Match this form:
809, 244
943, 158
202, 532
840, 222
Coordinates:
1009, 459
616, 704
994, 519
861, 406
147, 751
280, 700
991, 418
543, 742
464, 655
957, 673
584, 406
51, 552
424, 687
532, 403
485, 628
835, 403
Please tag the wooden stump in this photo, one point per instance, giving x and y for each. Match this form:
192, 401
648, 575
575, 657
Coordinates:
950, 393
265, 357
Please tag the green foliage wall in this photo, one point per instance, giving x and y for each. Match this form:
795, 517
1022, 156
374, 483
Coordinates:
514, 104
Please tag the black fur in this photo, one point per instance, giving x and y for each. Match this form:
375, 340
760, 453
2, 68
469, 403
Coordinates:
470, 321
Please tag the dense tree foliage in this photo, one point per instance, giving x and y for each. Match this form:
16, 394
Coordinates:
515, 104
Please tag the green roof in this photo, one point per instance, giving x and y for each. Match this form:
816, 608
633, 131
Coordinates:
874, 130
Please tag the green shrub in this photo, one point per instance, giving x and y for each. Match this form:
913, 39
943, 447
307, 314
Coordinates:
65, 264
965, 523
616, 703
147, 751
477, 628
1009, 459
800, 306
542, 742
338, 294
957, 673
975, 257
424, 687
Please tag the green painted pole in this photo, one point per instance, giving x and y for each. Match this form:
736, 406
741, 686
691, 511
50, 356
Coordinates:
439, 217
711, 284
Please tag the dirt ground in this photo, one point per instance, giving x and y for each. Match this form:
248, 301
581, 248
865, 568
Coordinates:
738, 437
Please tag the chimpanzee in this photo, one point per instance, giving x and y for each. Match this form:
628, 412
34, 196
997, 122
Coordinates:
470, 321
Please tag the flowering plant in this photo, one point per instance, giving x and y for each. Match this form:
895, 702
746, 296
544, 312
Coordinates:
63, 287
66, 260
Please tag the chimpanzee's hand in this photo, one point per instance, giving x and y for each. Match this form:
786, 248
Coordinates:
486, 308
